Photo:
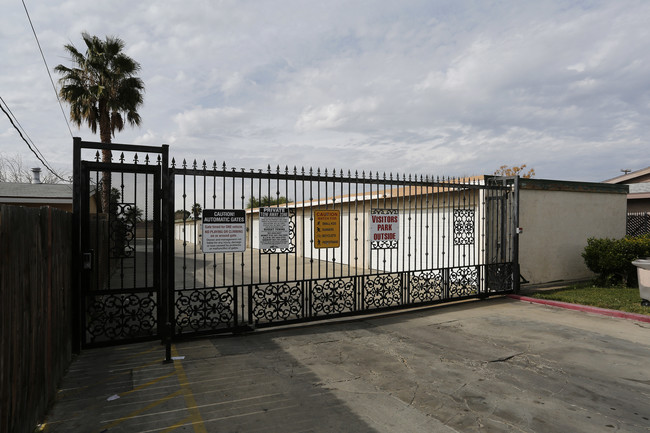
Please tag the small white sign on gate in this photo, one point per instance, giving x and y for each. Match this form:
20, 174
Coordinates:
274, 228
224, 231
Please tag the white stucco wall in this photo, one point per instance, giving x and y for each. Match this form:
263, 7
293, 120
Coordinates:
556, 225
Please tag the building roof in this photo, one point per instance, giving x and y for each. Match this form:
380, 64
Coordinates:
637, 176
35, 193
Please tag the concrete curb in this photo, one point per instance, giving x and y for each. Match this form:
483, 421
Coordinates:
584, 308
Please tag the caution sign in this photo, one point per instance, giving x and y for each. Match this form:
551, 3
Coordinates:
224, 231
274, 228
327, 228
384, 228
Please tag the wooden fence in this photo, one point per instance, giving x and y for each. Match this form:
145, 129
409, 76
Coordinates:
35, 312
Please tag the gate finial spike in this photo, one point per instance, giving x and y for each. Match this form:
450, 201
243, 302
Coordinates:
97, 156
204, 165
122, 157
173, 162
146, 159
194, 164
135, 158
223, 166
214, 165
184, 163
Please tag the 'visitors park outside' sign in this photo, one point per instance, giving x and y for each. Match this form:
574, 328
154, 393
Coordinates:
224, 231
274, 228
327, 229
384, 228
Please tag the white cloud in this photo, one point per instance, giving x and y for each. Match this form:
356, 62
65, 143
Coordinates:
451, 87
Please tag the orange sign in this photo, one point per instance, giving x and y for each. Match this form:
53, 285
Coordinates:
327, 229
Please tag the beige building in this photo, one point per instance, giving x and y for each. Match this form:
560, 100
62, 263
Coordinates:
557, 218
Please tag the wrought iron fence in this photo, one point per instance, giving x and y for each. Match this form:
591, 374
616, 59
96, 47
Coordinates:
207, 248
401, 240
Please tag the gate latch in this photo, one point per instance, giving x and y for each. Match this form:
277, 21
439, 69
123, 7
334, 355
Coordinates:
87, 259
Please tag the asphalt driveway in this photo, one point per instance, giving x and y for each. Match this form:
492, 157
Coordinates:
499, 365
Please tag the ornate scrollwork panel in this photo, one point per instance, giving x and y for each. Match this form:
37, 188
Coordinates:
463, 281
426, 285
204, 309
121, 316
382, 290
277, 301
464, 226
499, 277
122, 230
332, 296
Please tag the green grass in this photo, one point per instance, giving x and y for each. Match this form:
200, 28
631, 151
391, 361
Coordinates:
613, 298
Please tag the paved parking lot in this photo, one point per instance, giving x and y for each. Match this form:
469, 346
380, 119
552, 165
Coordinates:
483, 366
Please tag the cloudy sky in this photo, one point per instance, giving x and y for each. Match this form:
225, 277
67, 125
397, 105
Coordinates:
430, 87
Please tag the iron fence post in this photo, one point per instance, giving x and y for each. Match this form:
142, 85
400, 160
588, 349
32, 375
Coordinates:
515, 237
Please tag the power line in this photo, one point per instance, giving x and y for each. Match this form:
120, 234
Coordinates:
47, 68
21, 127
39, 157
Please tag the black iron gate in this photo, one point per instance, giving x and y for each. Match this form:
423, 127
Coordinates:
119, 210
147, 261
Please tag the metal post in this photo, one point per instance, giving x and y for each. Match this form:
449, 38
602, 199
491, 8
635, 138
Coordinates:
168, 343
515, 238
76, 247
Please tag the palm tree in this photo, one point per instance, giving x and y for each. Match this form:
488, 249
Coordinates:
103, 91
196, 211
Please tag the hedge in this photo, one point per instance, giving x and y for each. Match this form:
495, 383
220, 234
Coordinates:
612, 259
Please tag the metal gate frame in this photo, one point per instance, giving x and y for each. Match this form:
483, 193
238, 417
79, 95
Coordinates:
263, 301
133, 311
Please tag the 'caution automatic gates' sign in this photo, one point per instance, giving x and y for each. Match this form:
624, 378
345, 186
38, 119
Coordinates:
327, 228
224, 231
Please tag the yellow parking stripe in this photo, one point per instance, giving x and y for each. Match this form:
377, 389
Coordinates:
141, 410
144, 385
190, 402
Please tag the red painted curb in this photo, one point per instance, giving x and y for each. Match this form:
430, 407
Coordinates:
584, 308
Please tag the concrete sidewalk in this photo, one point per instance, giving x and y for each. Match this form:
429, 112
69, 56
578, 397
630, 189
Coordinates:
496, 365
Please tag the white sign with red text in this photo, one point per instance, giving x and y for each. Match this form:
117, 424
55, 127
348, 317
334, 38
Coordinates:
384, 228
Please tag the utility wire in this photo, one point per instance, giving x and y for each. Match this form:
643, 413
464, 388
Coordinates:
45, 164
47, 68
22, 128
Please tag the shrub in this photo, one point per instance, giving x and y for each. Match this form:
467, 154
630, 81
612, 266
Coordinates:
612, 259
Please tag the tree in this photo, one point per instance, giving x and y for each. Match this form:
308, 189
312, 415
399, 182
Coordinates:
196, 211
267, 200
103, 91
181, 214
12, 169
133, 213
504, 170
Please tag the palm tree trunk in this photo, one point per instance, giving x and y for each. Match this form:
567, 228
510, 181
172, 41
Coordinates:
105, 137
